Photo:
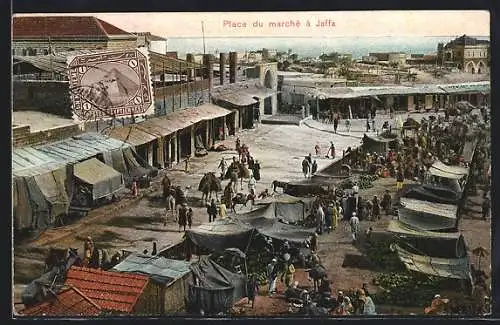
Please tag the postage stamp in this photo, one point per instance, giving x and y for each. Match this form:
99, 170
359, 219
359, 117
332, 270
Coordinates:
110, 84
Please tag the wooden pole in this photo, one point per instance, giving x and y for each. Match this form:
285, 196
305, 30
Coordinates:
180, 84
164, 95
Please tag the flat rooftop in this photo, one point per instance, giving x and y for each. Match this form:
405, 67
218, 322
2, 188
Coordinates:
39, 121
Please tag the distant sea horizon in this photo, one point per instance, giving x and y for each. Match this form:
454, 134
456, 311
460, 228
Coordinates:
312, 47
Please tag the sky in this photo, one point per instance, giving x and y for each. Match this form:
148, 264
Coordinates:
302, 24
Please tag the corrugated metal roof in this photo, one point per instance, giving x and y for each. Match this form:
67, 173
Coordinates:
28, 161
168, 124
32, 161
439, 209
112, 291
81, 147
396, 226
455, 268
158, 268
57, 62
161, 63
68, 302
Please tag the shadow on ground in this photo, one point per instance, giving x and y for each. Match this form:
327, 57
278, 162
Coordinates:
133, 221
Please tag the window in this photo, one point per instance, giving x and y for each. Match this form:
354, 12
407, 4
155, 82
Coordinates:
13, 52
24, 52
34, 51
45, 52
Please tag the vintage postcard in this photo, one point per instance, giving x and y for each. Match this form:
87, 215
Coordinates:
243, 164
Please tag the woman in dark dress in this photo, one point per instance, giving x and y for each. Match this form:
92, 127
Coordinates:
376, 208
256, 170
183, 216
252, 289
189, 217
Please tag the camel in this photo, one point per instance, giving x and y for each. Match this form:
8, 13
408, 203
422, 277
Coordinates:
208, 184
242, 199
235, 171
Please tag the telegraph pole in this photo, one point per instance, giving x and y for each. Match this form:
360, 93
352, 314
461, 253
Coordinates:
203, 33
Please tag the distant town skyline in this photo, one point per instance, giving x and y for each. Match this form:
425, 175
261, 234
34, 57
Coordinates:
301, 24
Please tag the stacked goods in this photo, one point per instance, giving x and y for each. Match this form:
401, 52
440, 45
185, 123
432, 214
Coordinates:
365, 181
257, 264
407, 288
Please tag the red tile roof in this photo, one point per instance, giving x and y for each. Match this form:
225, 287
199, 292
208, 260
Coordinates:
68, 302
113, 291
63, 26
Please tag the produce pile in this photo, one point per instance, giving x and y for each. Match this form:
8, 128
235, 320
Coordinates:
380, 254
256, 263
407, 288
363, 182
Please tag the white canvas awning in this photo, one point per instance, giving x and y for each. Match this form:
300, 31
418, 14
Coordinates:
438, 209
457, 170
439, 173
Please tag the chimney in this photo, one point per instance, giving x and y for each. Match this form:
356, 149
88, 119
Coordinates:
233, 61
222, 67
191, 73
208, 69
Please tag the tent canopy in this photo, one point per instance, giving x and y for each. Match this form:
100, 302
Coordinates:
432, 193
402, 229
439, 173
265, 221
438, 209
457, 170
104, 179
456, 268
221, 234
215, 288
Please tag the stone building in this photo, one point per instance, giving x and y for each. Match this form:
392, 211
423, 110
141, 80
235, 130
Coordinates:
466, 53
41, 34
154, 43
398, 59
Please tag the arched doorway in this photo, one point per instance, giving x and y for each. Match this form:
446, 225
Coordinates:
268, 83
481, 67
469, 67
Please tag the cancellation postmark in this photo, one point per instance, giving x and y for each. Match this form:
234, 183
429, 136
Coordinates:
111, 84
